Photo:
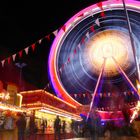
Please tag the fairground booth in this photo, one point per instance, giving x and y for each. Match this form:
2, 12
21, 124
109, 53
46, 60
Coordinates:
10, 108
46, 107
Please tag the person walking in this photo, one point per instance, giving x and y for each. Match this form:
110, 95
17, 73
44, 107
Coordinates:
57, 128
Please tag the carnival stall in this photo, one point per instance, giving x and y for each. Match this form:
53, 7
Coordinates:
10, 107
46, 107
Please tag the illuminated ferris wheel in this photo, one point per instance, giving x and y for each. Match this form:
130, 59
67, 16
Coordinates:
93, 51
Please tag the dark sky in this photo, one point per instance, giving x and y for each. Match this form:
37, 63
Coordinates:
22, 24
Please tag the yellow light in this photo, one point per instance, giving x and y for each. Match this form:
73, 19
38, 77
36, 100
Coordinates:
4, 106
53, 110
20, 102
49, 95
4, 96
108, 44
62, 115
138, 85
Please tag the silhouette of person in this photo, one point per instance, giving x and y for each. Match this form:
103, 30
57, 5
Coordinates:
57, 128
21, 125
64, 129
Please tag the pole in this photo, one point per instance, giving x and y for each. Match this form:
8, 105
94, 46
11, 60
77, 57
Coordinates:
126, 77
131, 39
96, 88
20, 65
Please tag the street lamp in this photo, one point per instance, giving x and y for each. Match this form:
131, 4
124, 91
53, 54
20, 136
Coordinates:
20, 65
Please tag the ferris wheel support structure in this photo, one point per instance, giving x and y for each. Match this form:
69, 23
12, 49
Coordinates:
96, 88
132, 40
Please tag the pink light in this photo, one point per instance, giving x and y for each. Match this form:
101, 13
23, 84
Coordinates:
61, 92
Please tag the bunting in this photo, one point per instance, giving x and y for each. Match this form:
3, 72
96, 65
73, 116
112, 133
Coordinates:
33, 46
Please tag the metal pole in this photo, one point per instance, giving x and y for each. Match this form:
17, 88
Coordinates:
131, 39
20, 78
20, 65
120, 69
95, 90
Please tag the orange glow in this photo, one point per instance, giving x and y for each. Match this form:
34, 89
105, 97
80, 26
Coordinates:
11, 108
50, 109
48, 94
20, 99
108, 44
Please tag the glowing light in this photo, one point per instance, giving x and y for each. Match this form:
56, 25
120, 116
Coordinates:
51, 109
4, 96
48, 94
135, 113
138, 86
107, 50
20, 99
134, 5
12, 108
105, 45
77, 118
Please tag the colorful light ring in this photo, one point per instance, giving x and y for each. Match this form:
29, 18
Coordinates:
59, 40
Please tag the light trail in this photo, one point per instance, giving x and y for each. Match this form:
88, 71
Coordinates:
95, 90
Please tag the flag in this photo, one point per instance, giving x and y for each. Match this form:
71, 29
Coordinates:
87, 35
48, 37
26, 50
97, 22
79, 45
14, 57
100, 5
33, 46
20, 53
3, 62
102, 14
40, 40
92, 28
64, 28
55, 32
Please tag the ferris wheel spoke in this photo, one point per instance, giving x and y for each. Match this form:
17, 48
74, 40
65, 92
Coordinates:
96, 88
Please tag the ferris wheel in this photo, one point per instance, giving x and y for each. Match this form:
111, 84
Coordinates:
93, 50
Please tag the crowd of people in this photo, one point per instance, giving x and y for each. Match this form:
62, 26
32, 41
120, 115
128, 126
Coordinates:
21, 123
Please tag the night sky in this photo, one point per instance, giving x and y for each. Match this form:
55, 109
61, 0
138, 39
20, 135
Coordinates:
24, 23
